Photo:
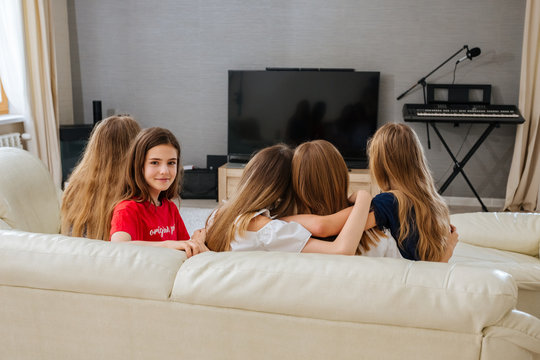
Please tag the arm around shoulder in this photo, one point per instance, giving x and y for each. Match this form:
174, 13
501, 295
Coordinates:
322, 225
347, 241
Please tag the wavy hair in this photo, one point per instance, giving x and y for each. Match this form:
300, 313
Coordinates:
134, 185
94, 183
398, 164
265, 184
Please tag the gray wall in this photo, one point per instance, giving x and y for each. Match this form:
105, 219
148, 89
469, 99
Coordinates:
165, 62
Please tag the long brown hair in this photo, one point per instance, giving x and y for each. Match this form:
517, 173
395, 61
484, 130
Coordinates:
94, 183
398, 164
265, 184
134, 185
320, 179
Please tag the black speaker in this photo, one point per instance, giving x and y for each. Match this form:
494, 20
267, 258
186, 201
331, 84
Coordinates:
199, 184
96, 107
213, 162
73, 140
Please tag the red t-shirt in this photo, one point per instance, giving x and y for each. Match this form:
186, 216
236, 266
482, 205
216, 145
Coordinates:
144, 221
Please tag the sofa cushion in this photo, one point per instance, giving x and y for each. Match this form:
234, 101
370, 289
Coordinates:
29, 199
65, 263
416, 294
524, 269
510, 231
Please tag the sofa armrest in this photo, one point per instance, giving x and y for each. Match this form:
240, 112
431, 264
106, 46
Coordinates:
28, 195
518, 329
517, 232
4, 225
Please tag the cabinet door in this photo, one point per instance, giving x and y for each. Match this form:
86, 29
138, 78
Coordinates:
228, 179
360, 179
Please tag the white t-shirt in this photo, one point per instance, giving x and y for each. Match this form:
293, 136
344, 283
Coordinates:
276, 235
385, 247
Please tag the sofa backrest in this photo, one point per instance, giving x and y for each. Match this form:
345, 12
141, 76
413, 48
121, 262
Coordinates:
508, 231
352, 289
58, 262
29, 200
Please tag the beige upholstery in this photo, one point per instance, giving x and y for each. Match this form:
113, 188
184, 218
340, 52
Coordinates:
307, 284
66, 298
29, 200
504, 241
509, 231
72, 298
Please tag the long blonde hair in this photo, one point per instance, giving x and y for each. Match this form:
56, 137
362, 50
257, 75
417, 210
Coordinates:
134, 186
265, 184
398, 164
320, 179
94, 183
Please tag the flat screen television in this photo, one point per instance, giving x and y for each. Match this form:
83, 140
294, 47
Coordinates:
293, 106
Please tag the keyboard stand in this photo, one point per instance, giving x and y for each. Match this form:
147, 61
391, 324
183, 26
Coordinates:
459, 165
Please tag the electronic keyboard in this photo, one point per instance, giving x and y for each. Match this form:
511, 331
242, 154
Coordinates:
462, 113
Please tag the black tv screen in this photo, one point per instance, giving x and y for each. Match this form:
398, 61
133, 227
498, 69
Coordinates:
269, 107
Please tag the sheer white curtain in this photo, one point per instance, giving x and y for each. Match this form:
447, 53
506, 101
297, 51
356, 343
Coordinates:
41, 73
13, 64
27, 68
523, 187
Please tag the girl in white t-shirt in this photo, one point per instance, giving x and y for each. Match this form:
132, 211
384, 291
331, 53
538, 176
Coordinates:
248, 221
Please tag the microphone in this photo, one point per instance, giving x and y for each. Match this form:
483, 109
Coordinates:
474, 52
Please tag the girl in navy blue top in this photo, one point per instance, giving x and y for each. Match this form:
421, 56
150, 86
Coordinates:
409, 205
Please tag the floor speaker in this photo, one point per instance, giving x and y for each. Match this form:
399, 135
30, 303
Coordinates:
213, 162
73, 140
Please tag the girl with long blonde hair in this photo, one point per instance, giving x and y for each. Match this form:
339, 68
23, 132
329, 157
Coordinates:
409, 205
320, 180
92, 186
247, 221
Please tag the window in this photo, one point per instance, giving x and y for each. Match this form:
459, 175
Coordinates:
4, 109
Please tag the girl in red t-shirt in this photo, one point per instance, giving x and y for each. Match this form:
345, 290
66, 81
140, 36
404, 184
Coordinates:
145, 213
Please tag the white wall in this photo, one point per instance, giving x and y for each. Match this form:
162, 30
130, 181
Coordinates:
166, 62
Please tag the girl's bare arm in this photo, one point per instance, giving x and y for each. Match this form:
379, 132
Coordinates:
347, 241
322, 225
189, 246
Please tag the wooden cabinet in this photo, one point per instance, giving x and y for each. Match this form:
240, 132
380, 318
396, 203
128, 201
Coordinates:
360, 179
229, 176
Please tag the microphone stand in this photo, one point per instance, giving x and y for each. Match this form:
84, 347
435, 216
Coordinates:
422, 82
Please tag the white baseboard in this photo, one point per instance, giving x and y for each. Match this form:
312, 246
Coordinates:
472, 201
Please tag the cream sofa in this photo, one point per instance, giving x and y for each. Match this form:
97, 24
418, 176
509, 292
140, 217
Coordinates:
74, 298
505, 241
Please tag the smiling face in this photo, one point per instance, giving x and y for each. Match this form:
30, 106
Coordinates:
160, 168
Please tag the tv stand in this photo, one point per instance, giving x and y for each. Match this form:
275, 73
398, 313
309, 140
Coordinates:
230, 173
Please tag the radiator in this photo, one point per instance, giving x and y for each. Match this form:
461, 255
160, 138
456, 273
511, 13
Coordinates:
13, 140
